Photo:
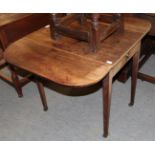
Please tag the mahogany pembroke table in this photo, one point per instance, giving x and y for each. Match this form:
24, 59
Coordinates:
70, 62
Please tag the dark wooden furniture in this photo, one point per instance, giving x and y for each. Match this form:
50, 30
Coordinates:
69, 62
147, 47
93, 28
13, 26
150, 17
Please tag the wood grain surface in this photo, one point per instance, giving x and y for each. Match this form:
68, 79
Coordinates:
70, 62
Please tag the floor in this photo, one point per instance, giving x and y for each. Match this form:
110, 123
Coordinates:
77, 118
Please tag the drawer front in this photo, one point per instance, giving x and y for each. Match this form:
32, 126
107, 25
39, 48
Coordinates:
125, 59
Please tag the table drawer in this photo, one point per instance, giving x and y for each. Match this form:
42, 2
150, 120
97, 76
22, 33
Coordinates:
125, 59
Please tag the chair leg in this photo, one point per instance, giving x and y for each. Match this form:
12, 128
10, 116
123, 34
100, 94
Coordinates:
42, 95
16, 81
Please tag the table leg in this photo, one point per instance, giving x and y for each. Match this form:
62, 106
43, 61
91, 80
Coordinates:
107, 91
135, 64
16, 81
42, 95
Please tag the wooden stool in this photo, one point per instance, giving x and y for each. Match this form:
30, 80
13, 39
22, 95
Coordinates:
93, 28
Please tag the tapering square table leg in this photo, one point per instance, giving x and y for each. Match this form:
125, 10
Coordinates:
107, 91
134, 70
42, 95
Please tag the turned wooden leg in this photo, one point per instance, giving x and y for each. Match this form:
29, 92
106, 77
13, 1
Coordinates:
94, 34
135, 63
121, 21
54, 22
16, 81
82, 18
42, 95
107, 90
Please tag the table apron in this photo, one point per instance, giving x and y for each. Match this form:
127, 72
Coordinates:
125, 59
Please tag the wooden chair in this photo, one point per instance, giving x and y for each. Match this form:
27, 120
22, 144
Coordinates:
150, 17
93, 28
14, 27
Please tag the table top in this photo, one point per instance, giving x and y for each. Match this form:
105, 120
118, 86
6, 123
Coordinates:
7, 18
70, 62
